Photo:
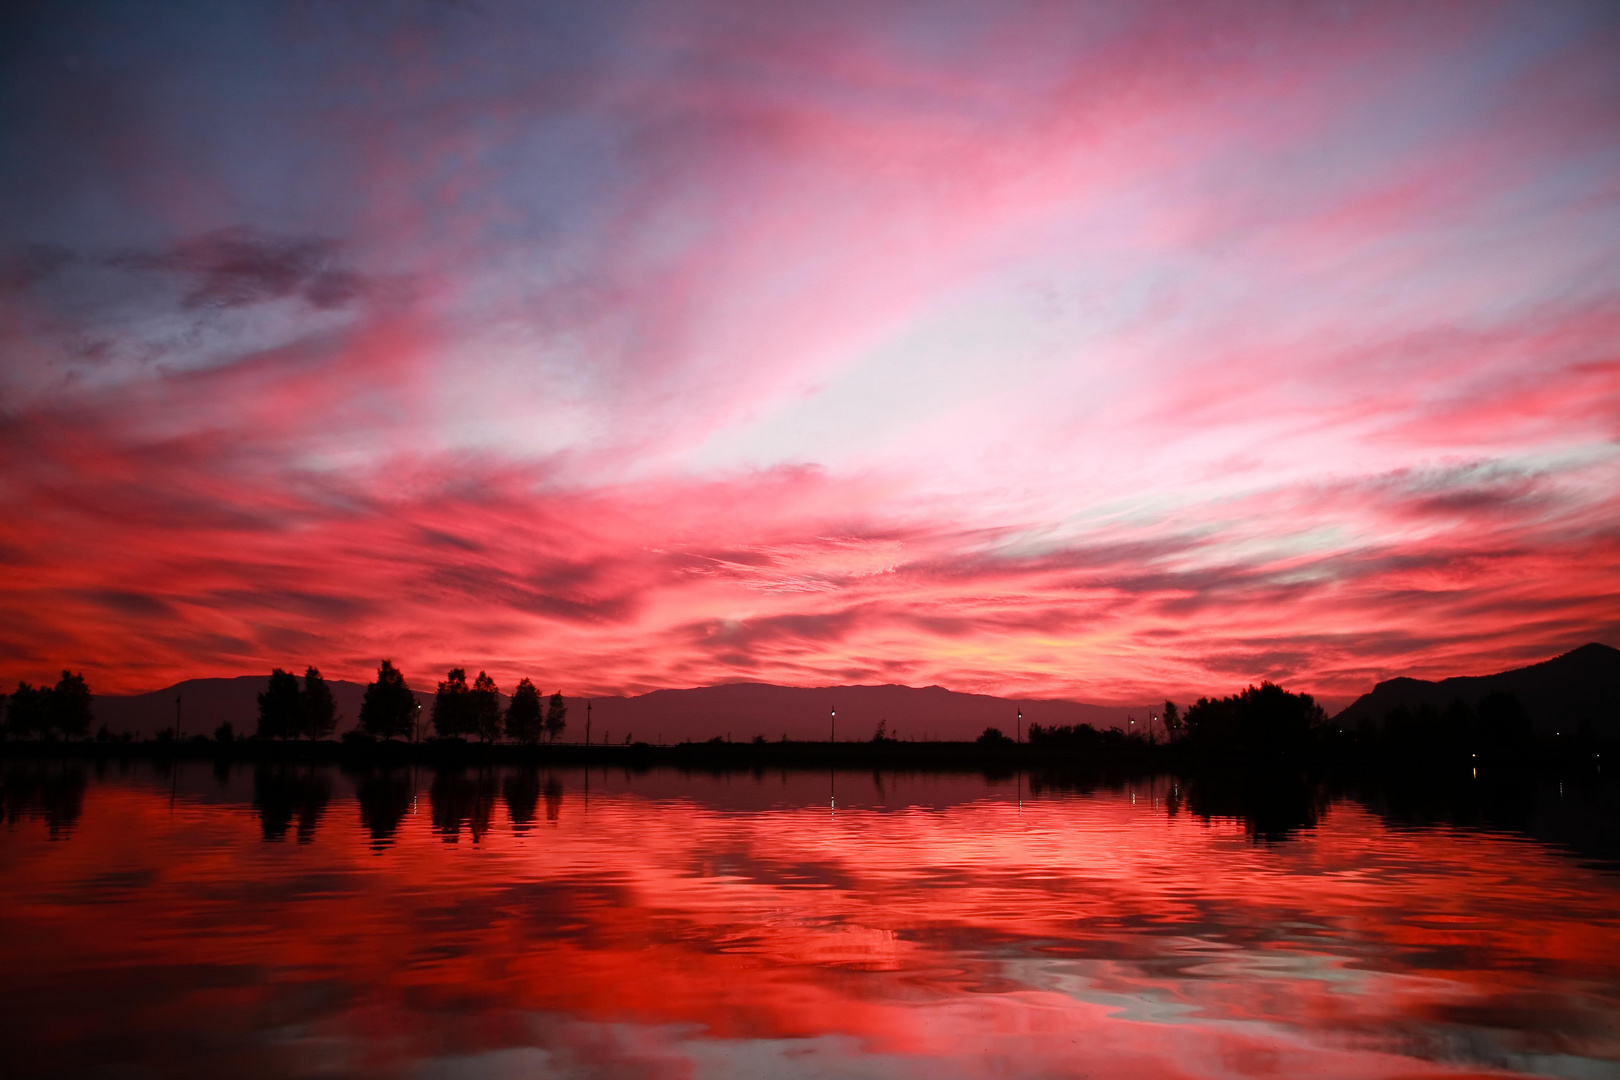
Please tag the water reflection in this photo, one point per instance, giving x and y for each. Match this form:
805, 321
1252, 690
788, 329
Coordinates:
728, 925
461, 798
52, 792
385, 797
521, 790
283, 793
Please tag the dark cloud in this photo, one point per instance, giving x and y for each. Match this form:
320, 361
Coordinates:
1271, 664
239, 267
744, 634
1476, 489
323, 608
441, 539
31, 265
559, 597
130, 603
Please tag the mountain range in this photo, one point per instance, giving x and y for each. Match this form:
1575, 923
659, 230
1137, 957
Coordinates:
736, 710
1558, 694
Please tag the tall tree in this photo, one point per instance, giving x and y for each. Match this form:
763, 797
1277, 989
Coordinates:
1172, 720
320, 710
69, 708
280, 707
1264, 721
26, 714
523, 723
450, 705
556, 716
484, 708
389, 708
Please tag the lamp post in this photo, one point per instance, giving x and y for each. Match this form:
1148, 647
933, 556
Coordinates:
1020, 728
587, 723
833, 737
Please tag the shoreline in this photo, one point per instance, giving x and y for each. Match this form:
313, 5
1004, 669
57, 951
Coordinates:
1133, 757
952, 756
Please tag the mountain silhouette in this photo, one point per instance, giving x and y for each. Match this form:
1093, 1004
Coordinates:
1558, 694
744, 710
740, 710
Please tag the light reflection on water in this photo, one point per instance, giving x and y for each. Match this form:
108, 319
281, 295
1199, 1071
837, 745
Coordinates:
302, 921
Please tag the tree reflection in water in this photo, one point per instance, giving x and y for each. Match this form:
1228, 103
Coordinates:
690, 925
283, 793
461, 798
385, 797
52, 791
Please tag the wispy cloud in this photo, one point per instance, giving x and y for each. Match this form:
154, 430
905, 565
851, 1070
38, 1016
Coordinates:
1099, 351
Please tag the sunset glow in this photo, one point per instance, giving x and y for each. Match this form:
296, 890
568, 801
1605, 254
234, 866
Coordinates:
1106, 353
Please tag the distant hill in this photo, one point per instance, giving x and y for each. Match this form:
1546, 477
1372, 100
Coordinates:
1558, 693
740, 710
744, 710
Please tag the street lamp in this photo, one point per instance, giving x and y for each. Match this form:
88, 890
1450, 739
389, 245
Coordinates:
834, 722
1020, 728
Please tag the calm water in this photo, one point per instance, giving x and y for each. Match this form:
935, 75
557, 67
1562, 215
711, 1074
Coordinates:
304, 922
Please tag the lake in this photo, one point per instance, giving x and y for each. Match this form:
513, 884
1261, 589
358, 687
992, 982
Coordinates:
297, 921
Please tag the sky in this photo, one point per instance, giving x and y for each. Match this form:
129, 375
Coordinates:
1099, 351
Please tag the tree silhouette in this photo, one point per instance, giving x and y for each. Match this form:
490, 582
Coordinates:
450, 705
389, 708
484, 708
523, 723
26, 714
1264, 721
1172, 720
556, 717
1426, 733
992, 736
68, 708
1072, 737
319, 711
1499, 731
281, 707
1503, 731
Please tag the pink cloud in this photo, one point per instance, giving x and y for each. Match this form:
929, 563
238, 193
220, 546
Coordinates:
1103, 355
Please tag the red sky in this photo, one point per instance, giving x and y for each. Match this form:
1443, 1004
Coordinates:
1105, 351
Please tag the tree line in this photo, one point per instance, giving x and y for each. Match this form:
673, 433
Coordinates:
46, 712
390, 710
287, 712
1262, 721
